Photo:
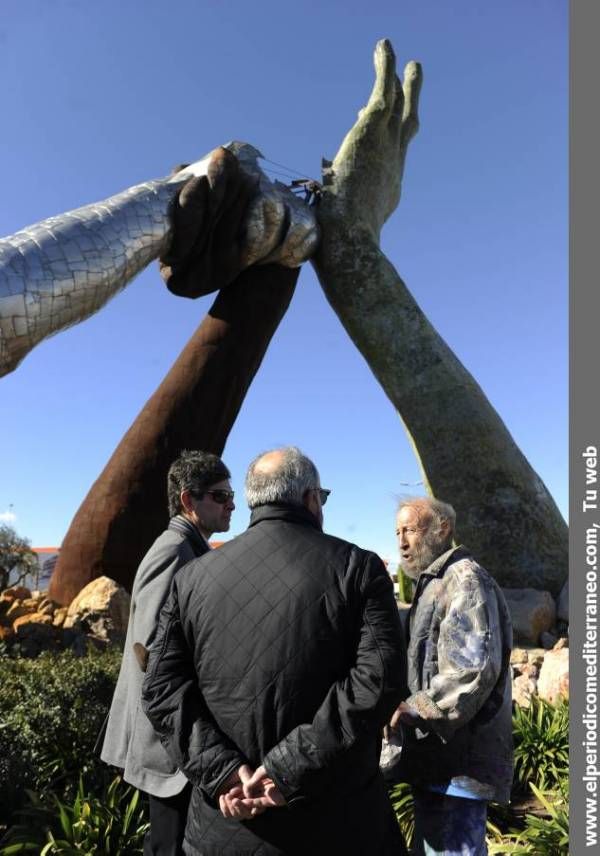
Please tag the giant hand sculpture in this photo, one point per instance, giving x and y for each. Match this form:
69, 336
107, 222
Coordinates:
505, 513
60, 271
198, 401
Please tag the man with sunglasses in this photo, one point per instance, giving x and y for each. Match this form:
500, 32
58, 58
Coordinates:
200, 503
297, 661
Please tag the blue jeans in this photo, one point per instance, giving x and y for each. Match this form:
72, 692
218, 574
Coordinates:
448, 826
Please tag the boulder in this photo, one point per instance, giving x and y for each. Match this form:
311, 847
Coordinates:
17, 593
36, 634
530, 670
31, 618
7, 634
518, 656
5, 604
16, 610
553, 682
562, 604
59, 616
533, 612
101, 609
523, 688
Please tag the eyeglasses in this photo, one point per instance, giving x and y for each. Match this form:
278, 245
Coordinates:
219, 496
323, 494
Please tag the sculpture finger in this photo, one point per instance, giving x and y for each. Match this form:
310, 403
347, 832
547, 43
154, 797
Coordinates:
265, 227
411, 86
382, 98
224, 176
190, 216
396, 116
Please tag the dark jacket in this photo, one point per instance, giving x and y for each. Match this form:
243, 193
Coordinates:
130, 742
298, 661
459, 679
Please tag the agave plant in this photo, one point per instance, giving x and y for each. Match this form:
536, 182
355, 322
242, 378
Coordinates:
113, 822
541, 734
542, 836
403, 805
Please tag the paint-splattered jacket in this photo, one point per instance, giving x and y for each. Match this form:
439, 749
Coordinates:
460, 639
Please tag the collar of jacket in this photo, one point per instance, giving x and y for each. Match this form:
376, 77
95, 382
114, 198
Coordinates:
440, 564
284, 511
185, 527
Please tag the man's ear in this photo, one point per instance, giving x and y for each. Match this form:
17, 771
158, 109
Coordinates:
185, 497
446, 530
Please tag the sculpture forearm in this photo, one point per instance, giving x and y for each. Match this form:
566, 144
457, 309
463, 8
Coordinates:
466, 453
59, 271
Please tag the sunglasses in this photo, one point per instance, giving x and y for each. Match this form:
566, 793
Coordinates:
219, 496
323, 494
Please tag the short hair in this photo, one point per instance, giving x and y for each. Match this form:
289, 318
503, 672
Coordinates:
288, 483
195, 471
438, 510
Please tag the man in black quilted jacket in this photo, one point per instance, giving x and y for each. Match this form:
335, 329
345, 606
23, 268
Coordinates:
278, 659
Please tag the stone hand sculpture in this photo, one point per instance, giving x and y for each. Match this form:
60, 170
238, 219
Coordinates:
505, 513
199, 399
62, 270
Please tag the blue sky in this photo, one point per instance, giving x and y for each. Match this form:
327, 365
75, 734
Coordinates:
100, 96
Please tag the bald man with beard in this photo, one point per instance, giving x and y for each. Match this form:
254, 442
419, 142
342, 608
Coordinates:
457, 721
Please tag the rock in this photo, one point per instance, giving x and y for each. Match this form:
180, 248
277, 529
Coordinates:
16, 610
553, 682
530, 670
7, 634
37, 636
59, 616
536, 656
518, 656
5, 604
532, 613
548, 640
562, 604
46, 608
17, 593
101, 609
523, 690
31, 618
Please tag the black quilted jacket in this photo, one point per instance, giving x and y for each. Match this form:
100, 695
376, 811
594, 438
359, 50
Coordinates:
282, 647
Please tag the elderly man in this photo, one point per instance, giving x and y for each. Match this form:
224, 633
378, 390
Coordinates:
457, 749
200, 503
297, 663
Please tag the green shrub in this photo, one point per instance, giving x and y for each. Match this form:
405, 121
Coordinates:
51, 711
403, 805
541, 735
406, 586
542, 836
109, 823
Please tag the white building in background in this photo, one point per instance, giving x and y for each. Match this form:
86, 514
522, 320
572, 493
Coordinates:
46, 557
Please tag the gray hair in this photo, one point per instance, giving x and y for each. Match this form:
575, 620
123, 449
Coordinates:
287, 483
195, 471
440, 512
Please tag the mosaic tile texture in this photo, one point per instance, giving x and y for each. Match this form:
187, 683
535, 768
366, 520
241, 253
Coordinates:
62, 270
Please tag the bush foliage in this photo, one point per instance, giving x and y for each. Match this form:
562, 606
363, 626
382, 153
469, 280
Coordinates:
51, 711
